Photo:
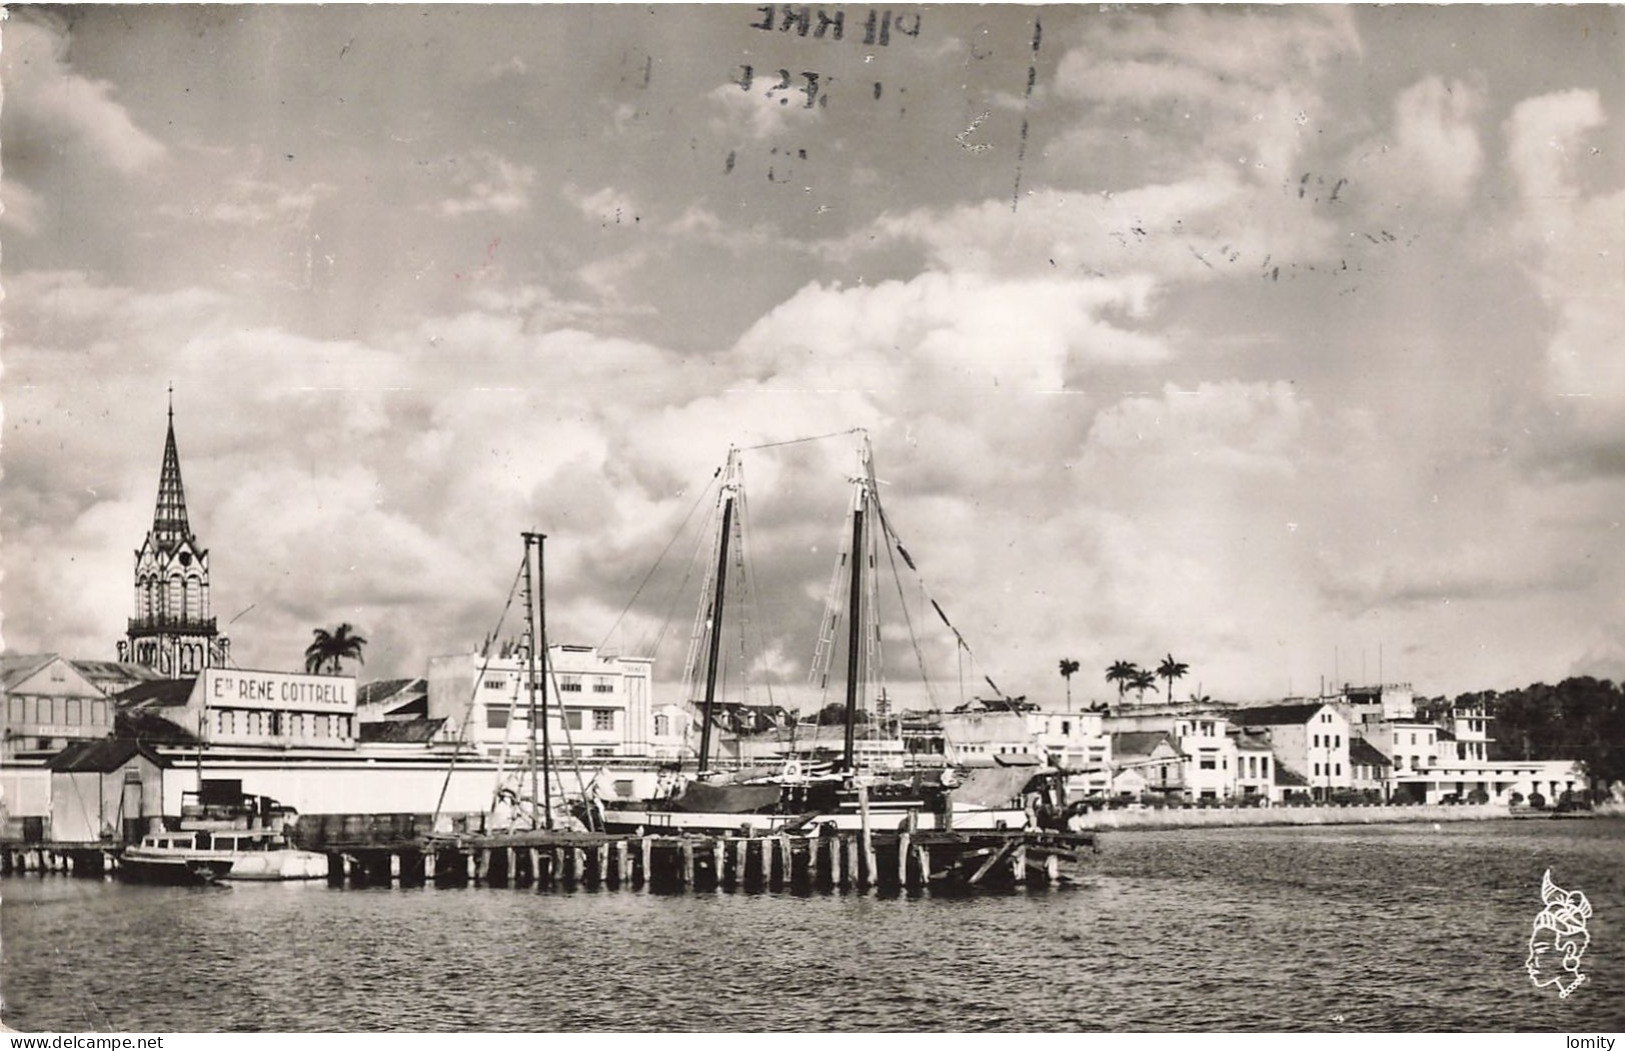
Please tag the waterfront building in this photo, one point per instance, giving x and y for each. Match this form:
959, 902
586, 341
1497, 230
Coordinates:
1255, 766
1413, 747
1312, 738
1146, 761
1209, 755
1370, 770
47, 702
107, 791
598, 705
1077, 742
172, 631
1383, 702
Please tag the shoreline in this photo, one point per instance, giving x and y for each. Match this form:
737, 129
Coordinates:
1283, 816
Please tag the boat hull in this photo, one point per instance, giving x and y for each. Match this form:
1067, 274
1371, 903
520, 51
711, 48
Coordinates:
135, 867
272, 865
880, 820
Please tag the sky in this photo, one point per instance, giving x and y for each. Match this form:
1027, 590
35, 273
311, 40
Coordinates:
1286, 341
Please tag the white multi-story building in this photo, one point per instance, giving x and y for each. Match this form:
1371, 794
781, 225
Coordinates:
597, 705
1209, 756
1310, 738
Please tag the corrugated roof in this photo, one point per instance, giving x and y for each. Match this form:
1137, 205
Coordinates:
161, 693
1275, 714
150, 726
1137, 742
101, 756
399, 731
1286, 777
385, 689
1365, 753
17, 667
115, 671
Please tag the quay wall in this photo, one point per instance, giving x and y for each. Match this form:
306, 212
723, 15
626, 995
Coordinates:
1236, 817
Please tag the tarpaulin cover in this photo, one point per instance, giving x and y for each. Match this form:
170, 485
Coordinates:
995, 786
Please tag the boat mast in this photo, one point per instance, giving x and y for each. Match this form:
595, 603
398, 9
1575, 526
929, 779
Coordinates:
854, 626
536, 624
729, 489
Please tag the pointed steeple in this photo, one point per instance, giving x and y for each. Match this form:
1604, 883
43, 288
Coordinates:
169, 525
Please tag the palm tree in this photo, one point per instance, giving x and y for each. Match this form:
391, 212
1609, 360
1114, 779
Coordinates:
331, 647
1171, 669
1122, 673
1068, 667
1143, 680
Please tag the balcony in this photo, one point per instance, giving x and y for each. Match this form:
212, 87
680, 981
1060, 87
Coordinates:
171, 625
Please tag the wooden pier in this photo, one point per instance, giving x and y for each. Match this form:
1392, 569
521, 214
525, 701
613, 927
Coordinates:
881, 861
830, 860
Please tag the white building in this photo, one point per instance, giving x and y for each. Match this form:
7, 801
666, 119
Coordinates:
1209, 755
597, 705
1311, 738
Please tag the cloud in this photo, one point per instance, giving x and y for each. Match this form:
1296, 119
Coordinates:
767, 109
254, 202
1431, 153
1572, 240
46, 101
21, 209
484, 182
606, 207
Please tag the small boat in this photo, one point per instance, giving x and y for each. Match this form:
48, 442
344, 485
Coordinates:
207, 857
224, 834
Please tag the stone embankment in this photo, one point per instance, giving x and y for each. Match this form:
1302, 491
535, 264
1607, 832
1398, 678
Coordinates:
1232, 817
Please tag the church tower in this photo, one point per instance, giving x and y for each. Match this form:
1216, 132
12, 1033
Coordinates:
172, 632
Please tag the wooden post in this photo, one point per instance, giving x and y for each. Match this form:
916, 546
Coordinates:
430, 864
1052, 868
511, 856
482, 869
904, 844
603, 864
783, 852
645, 852
1018, 863
922, 864
535, 854
740, 845
716, 862
865, 876
687, 848
557, 874
472, 867
850, 874
578, 864
622, 877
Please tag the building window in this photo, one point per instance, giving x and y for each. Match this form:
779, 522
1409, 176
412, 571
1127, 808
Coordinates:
603, 718
600, 752
1207, 763
572, 719
72, 711
1264, 766
569, 684
17, 710
1337, 740
256, 723
602, 684
43, 710
324, 726
493, 684
496, 718
1337, 769
1317, 769
662, 725
98, 713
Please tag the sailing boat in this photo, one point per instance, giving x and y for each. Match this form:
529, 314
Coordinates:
845, 795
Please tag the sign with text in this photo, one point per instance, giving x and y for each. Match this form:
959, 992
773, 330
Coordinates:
233, 688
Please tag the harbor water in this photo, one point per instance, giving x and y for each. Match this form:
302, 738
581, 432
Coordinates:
1401, 927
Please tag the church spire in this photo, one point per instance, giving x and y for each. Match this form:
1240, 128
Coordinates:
169, 525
